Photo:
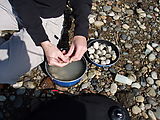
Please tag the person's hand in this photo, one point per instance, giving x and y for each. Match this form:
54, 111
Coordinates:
54, 55
77, 49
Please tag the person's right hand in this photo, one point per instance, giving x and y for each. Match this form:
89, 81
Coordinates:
54, 55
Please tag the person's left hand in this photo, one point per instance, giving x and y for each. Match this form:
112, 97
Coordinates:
77, 49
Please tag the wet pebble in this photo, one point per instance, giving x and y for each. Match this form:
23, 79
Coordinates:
151, 57
154, 75
151, 115
98, 23
107, 8
129, 67
18, 84
113, 88
139, 99
150, 80
125, 26
157, 113
136, 85
2, 98
136, 110
151, 92
21, 91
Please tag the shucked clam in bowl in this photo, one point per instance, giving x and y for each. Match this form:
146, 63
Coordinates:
68, 75
102, 53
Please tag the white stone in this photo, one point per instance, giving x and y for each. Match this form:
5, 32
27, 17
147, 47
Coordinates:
98, 52
108, 61
132, 77
111, 14
96, 56
139, 10
123, 79
91, 50
156, 9
102, 58
109, 49
116, 17
151, 115
154, 45
96, 45
139, 98
96, 61
108, 55
151, 57
17, 85
103, 62
125, 26
85, 85
98, 23
136, 85
142, 26
113, 88
91, 20
154, 75
101, 47
158, 83
150, 80
114, 56
142, 15
149, 47
136, 109
104, 52
158, 49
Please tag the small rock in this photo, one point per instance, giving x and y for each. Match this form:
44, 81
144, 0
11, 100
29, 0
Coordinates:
158, 49
123, 79
158, 83
151, 57
29, 84
132, 77
2, 98
145, 115
151, 101
18, 84
151, 92
136, 85
129, 12
143, 81
140, 99
85, 85
156, 9
157, 113
154, 45
124, 36
148, 106
142, 26
96, 45
151, 115
150, 80
136, 109
107, 8
98, 24
111, 14
116, 17
128, 46
116, 9
129, 67
125, 26
21, 91
113, 88
154, 75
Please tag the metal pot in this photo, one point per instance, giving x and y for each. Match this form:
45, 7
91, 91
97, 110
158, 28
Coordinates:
68, 75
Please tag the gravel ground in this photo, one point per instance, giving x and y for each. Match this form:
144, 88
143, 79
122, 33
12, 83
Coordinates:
132, 25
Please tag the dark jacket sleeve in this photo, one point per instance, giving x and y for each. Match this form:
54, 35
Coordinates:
81, 10
27, 12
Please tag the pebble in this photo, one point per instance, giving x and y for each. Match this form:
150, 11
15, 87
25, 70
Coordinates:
151, 115
129, 67
85, 85
116, 9
151, 92
157, 113
143, 81
111, 14
132, 77
148, 106
128, 45
129, 12
98, 24
158, 49
18, 84
158, 83
154, 75
107, 8
123, 79
125, 26
136, 110
136, 85
2, 98
154, 45
124, 36
145, 115
113, 88
156, 9
151, 57
139, 99
151, 101
150, 80
29, 84
116, 17
21, 91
